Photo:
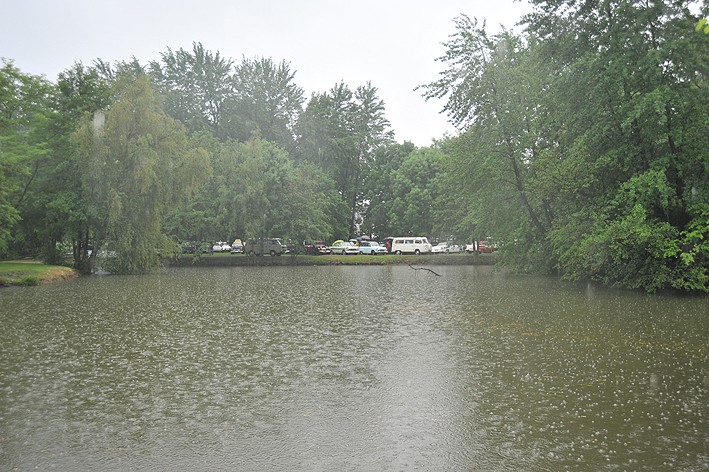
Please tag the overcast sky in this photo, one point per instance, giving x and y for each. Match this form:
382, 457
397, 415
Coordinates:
391, 43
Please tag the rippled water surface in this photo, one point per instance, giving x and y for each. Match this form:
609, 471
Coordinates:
350, 368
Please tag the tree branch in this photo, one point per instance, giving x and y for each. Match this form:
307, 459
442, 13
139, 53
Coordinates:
424, 268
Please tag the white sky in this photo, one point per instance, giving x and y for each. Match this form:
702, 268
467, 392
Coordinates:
391, 43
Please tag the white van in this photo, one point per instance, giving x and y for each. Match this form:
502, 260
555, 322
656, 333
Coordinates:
410, 245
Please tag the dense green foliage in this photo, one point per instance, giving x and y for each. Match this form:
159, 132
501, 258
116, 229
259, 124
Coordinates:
137, 162
25, 113
583, 150
585, 141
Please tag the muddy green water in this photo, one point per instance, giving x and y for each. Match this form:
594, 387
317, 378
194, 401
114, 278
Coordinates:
350, 369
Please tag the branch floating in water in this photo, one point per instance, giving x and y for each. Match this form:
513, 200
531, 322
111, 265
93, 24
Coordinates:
425, 268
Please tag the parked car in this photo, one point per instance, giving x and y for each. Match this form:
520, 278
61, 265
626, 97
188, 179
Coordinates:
272, 246
318, 248
486, 246
187, 248
221, 246
343, 247
237, 247
371, 247
410, 245
483, 245
446, 248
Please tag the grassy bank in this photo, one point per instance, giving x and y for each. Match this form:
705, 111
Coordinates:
29, 272
228, 260
32, 273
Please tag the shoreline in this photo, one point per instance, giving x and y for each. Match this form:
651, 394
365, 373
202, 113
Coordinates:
240, 260
28, 273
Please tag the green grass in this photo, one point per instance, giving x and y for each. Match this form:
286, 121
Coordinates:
222, 260
28, 273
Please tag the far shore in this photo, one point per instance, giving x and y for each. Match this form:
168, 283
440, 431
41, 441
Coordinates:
32, 272
229, 260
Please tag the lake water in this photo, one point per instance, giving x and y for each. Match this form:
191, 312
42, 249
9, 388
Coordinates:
348, 368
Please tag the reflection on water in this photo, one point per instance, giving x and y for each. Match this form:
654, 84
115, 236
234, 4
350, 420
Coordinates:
350, 368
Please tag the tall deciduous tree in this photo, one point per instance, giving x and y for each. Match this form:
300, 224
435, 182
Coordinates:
340, 132
414, 190
266, 102
203, 216
379, 188
267, 194
493, 86
371, 131
25, 108
138, 164
54, 212
196, 84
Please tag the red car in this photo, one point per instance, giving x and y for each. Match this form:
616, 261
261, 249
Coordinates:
318, 248
485, 246
482, 246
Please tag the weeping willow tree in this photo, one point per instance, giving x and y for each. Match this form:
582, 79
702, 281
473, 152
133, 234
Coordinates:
137, 164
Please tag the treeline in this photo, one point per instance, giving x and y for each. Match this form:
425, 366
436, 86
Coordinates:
582, 151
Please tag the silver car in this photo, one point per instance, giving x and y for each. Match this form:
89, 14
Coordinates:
344, 248
372, 248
